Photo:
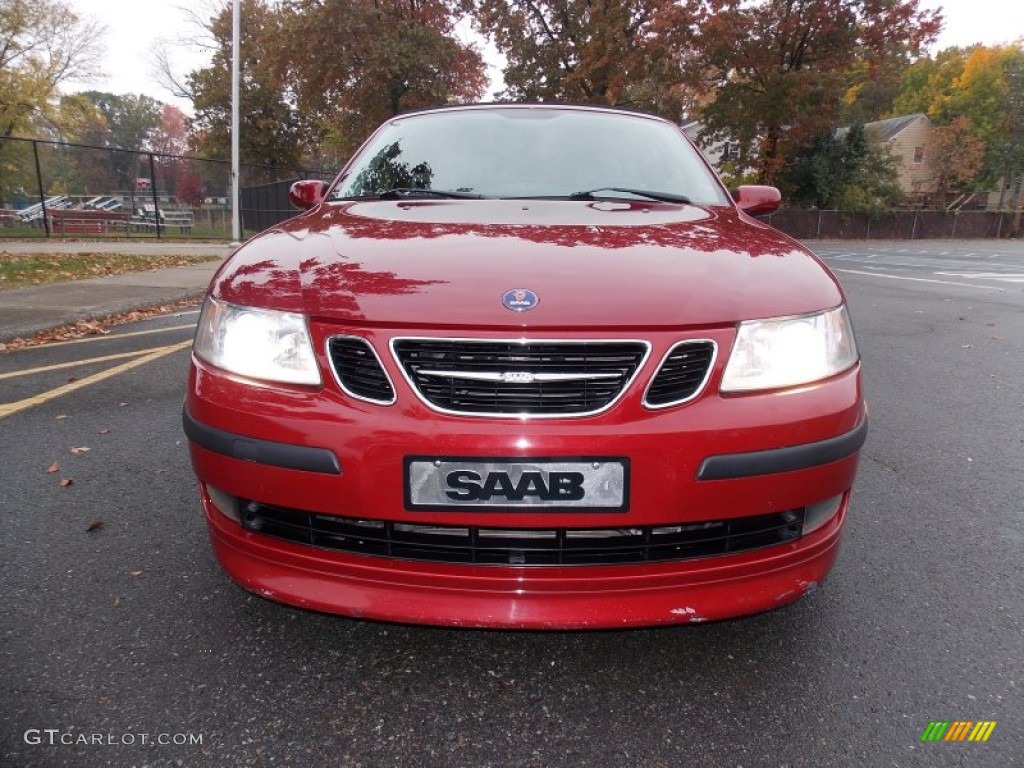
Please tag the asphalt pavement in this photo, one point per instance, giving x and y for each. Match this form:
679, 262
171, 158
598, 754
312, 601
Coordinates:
122, 643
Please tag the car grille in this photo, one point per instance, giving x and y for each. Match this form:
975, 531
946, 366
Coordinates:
535, 378
682, 374
359, 370
515, 546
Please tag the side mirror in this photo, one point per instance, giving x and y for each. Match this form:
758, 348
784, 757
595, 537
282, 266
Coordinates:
306, 194
757, 200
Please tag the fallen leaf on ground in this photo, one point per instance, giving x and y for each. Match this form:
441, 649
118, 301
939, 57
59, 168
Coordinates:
134, 574
96, 327
102, 431
95, 525
65, 482
62, 416
55, 467
80, 449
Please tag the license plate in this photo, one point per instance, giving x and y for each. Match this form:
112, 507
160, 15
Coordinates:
580, 484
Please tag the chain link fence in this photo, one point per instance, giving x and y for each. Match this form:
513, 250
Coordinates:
893, 225
54, 189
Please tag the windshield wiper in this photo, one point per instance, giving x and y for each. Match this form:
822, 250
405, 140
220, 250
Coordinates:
396, 193
599, 193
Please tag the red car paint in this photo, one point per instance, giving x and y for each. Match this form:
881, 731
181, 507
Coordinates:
610, 269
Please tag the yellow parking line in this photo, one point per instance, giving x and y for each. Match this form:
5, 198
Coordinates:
73, 364
107, 337
8, 408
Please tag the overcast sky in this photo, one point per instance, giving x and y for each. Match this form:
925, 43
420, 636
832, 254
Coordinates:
136, 27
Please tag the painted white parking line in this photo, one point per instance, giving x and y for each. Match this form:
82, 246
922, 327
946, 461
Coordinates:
73, 364
1005, 277
8, 408
919, 279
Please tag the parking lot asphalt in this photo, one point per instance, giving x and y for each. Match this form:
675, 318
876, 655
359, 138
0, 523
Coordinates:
117, 625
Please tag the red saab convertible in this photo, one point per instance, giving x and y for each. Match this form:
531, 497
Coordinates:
526, 366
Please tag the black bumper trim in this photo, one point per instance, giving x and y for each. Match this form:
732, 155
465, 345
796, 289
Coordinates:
789, 459
253, 449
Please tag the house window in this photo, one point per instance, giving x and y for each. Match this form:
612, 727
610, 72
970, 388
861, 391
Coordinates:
918, 154
729, 151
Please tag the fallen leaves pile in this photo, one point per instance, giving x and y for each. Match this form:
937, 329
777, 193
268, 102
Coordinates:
97, 327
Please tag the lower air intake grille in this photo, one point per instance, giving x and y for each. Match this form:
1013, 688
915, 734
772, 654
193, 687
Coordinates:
515, 546
510, 378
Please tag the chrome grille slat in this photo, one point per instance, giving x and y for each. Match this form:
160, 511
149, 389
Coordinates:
545, 378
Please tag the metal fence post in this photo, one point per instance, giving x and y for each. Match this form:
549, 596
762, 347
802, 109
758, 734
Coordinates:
39, 183
913, 227
156, 202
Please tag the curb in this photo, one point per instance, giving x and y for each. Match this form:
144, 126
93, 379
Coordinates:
27, 330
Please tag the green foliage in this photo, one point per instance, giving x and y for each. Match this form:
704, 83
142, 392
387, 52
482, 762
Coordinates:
843, 170
43, 43
271, 131
983, 86
319, 75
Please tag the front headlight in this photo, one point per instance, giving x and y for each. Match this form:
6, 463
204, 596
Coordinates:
788, 352
258, 343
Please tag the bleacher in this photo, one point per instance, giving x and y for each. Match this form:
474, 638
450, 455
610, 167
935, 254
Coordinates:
82, 221
146, 217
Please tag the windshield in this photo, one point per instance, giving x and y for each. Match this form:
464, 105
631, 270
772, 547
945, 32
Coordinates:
530, 153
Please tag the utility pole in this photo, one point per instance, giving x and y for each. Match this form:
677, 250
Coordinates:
236, 59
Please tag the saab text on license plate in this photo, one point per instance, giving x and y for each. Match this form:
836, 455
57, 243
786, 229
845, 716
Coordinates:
598, 484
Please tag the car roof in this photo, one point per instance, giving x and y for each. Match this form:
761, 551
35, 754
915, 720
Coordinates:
503, 105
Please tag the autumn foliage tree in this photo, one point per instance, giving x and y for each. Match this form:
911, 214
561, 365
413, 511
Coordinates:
976, 94
957, 158
43, 43
272, 131
779, 69
362, 61
615, 52
318, 75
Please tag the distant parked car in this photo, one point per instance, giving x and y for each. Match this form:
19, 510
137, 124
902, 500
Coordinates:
526, 366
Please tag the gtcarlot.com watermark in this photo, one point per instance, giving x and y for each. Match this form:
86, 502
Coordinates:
66, 737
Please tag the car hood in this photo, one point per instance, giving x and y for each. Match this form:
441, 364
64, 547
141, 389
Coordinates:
447, 263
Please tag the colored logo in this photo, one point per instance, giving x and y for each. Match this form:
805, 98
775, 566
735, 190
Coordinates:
958, 730
520, 300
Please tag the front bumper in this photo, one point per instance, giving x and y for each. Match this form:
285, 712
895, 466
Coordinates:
713, 459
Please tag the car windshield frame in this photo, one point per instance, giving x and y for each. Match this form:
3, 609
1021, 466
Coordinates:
530, 152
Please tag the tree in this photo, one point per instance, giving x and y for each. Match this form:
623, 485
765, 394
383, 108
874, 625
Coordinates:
170, 140
131, 120
616, 52
43, 44
957, 158
271, 130
846, 170
985, 87
391, 56
779, 68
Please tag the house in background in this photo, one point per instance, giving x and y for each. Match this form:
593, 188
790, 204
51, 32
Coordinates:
907, 138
